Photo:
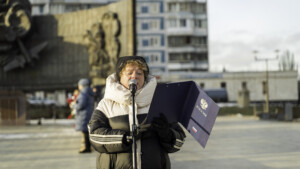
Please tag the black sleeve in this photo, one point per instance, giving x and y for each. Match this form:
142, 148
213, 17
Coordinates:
103, 138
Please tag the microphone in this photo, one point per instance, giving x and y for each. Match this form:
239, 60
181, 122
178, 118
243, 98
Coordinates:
132, 85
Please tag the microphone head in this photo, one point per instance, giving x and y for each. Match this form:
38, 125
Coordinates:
132, 81
132, 85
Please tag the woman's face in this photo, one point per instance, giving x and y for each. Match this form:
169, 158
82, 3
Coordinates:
132, 72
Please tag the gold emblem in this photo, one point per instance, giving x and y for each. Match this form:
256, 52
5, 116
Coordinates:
203, 104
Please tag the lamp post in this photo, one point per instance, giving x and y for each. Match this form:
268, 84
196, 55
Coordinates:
266, 84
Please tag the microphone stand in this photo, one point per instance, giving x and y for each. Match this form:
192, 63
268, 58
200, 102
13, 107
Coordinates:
134, 128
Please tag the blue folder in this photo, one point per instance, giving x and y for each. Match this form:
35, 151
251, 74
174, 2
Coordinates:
186, 103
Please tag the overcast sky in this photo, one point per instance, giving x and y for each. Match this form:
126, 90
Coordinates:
238, 27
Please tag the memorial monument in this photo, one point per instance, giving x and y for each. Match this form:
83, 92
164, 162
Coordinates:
52, 52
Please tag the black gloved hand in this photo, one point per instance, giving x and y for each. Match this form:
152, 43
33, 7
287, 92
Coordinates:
127, 139
162, 127
141, 129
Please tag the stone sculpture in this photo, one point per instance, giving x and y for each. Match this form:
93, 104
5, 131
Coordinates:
15, 24
103, 45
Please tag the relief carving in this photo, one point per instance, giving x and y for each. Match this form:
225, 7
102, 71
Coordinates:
103, 45
15, 23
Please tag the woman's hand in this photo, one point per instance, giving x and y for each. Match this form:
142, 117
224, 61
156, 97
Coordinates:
162, 127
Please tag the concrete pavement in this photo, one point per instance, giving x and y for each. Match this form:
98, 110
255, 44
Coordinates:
236, 143
244, 143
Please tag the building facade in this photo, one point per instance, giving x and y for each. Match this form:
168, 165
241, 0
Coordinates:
151, 38
187, 36
283, 85
172, 35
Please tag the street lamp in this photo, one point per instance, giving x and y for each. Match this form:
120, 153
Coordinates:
266, 84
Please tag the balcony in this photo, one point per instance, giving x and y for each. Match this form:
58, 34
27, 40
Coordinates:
188, 65
188, 49
187, 31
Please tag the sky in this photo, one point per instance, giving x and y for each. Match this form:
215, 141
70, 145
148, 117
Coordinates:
238, 27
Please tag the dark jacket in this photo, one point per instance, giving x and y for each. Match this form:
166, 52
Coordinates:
84, 108
111, 121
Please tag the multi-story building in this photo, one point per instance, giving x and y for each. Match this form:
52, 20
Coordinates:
186, 33
151, 38
172, 35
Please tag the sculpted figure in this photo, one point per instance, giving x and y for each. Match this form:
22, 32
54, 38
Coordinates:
15, 23
103, 45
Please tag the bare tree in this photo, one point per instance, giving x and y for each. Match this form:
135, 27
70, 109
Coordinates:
287, 61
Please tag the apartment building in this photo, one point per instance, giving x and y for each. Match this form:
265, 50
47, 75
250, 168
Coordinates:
187, 36
172, 35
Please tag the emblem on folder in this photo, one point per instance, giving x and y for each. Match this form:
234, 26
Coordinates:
203, 104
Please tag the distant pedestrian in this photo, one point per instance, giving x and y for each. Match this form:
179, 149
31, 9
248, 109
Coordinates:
98, 94
84, 108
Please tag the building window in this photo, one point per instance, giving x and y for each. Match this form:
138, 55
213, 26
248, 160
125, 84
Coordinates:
176, 41
155, 8
162, 40
145, 26
199, 8
162, 54
144, 9
172, 7
188, 57
198, 40
244, 85
199, 57
198, 23
179, 57
223, 85
195, 41
161, 7
161, 23
203, 40
182, 23
154, 58
154, 25
203, 23
184, 6
41, 9
145, 43
172, 23
154, 41
187, 40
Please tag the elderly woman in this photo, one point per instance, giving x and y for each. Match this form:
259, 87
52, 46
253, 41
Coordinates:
84, 108
111, 122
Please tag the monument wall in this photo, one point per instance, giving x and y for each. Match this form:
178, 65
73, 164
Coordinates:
82, 44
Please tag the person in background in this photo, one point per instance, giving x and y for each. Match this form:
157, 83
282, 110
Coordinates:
84, 108
111, 123
72, 101
97, 93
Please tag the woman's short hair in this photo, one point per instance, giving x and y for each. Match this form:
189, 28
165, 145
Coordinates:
131, 60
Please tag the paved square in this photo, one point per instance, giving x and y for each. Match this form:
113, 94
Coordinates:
235, 143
